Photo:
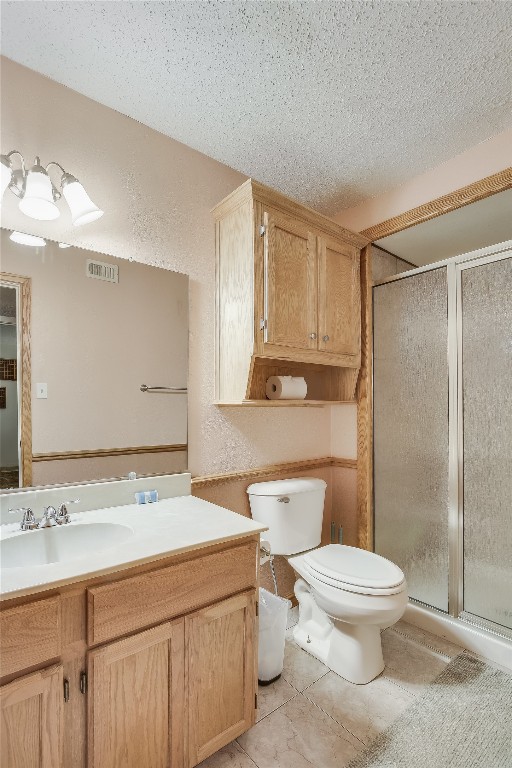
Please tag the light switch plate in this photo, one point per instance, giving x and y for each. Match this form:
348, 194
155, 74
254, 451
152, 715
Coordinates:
41, 391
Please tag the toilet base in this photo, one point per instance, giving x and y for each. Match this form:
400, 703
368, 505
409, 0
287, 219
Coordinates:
353, 651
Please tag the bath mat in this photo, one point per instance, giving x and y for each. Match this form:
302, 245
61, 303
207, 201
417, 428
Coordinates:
463, 720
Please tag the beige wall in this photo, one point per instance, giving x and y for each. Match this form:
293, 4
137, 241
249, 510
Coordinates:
476, 163
344, 431
157, 195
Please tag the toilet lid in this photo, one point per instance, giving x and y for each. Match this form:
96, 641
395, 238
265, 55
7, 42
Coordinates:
354, 566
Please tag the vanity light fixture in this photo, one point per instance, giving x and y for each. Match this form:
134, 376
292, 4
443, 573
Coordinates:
38, 193
23, 239
5, 174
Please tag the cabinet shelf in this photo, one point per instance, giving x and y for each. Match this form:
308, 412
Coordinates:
282, 403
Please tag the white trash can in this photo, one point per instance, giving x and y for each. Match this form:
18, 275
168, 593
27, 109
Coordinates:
273, 614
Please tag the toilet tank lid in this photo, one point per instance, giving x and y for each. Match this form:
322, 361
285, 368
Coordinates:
287, 487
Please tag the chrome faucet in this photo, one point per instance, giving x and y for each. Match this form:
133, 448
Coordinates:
62, 516
29, 521
53, 517
50, 516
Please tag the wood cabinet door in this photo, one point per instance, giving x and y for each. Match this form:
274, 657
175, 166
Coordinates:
220, 674
339, 298
290, 284
136, 700
31, 735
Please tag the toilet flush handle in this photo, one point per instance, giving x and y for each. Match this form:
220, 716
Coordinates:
284, 499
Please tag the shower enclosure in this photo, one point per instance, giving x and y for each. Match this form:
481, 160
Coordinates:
443, 433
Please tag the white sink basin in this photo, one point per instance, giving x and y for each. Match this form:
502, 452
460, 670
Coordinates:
60, 544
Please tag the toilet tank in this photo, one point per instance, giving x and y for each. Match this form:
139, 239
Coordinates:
293, 511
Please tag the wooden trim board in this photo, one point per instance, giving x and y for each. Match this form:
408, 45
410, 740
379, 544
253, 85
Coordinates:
106, 452
478, 190
282, 403
204, 481
364, 411
344, 463
24, 356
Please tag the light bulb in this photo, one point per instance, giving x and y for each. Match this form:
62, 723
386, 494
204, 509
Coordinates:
23, 239
37, 201
82, 208
64, 245
6, 174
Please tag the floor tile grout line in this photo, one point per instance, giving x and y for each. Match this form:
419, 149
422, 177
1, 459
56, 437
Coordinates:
334, 720
426, 645
402, 688
292, 685
309, 655
419, 644
307, 686
317, 680
297, 693
248, 755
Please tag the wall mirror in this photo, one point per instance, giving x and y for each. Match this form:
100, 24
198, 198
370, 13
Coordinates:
80, 334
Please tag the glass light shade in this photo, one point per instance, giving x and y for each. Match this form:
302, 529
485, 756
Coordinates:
5, 177
82, 208
37, 202
23, 239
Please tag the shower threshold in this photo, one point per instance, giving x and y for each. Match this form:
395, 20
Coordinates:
490, 645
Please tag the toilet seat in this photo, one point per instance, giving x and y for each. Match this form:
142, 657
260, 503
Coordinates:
354, 570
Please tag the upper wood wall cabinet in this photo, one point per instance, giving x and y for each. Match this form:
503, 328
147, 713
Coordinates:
288, 298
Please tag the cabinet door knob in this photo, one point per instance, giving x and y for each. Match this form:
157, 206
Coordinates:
326, 338
312, 335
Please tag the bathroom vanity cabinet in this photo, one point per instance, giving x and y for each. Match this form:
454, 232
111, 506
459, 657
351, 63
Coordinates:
155, 665
288, 297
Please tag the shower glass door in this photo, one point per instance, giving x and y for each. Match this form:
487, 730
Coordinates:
485, 411
411, 431
443, 433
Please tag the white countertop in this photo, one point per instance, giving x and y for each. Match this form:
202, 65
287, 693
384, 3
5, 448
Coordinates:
161, 529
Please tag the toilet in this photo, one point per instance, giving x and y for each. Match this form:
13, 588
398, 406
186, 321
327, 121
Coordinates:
346, 595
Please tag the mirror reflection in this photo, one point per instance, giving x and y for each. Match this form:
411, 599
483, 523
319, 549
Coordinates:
80, 334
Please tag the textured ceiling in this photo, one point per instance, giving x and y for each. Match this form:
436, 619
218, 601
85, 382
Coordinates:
329, 102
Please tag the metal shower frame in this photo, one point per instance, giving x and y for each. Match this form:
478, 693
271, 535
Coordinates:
455, 266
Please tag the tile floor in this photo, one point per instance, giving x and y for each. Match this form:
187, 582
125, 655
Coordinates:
313, 718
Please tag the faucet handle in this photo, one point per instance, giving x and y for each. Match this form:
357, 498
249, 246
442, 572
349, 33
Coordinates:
63, 514
28, 522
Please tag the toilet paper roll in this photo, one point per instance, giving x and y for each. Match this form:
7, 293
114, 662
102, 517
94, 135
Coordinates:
286, 388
